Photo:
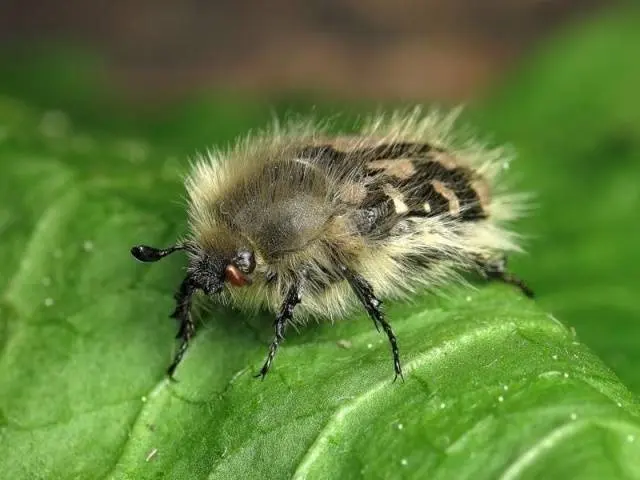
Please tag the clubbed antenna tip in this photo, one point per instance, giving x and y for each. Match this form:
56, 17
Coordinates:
145, 253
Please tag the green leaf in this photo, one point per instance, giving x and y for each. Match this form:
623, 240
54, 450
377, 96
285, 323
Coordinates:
87, 340
495, 385
572, 114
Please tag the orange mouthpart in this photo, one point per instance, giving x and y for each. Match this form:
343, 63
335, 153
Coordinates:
235, 277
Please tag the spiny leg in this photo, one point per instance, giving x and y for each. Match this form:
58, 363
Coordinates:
186, 327
284, 316
497, 270
364, 291
182, 312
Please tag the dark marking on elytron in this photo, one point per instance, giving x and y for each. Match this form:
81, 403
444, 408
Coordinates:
393, 151
322, 154
438, 203
327, 154
418, 189
377, 214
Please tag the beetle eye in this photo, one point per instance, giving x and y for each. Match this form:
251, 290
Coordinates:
235, 277
245, 261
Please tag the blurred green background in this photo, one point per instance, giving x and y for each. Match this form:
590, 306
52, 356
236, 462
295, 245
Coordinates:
557, 81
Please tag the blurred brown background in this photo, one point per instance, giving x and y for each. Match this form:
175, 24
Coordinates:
349, 48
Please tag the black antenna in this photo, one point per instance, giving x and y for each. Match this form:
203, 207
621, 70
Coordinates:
145, 253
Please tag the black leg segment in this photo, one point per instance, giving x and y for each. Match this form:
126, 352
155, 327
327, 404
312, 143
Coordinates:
284, 316
497, 270
186, 327
365, 294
